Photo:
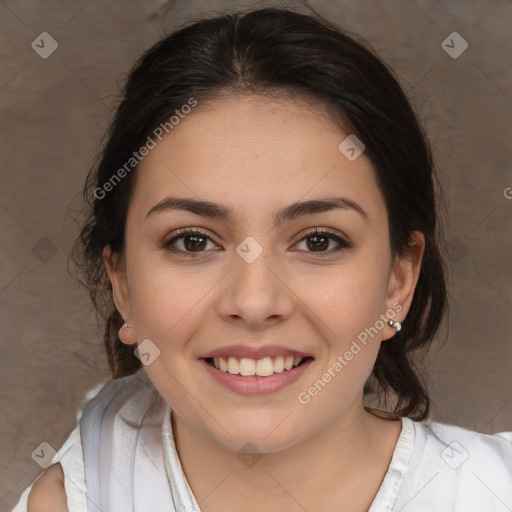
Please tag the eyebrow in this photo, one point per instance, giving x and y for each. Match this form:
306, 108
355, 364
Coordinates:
217, 211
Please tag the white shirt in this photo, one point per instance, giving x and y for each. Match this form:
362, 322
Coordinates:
435, 467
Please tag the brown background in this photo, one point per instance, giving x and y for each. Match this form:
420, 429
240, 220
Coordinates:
54, 111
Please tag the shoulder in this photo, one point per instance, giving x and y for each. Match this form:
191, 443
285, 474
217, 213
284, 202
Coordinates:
48, 493
463, 443
478, 465
447, 467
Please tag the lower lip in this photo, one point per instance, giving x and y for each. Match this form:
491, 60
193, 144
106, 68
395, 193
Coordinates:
256, 385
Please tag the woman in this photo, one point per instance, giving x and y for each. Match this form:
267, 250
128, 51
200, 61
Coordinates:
263, 241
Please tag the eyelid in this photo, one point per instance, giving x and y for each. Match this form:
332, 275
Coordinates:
319, 230
180, 233
343, 242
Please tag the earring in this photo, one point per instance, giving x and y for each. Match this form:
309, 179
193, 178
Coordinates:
396, 325
124, 326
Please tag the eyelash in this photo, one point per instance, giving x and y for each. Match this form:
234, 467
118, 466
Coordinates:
180, 234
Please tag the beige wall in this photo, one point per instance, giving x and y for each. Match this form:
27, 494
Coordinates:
54, 110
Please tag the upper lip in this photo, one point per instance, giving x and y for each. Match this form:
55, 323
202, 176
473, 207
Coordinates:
246, 351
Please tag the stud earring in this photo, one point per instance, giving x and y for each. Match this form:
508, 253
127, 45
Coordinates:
124, 326
396, 325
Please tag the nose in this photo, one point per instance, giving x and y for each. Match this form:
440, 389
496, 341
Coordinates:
256, 292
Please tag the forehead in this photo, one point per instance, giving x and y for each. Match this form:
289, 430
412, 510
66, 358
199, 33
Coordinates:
253, 153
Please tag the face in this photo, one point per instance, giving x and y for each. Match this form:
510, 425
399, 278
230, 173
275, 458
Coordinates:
271, 280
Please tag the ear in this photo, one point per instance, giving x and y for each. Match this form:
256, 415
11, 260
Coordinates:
120, 293
403, 279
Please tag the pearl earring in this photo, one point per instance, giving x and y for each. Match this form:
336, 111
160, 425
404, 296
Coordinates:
396, 325
124, 326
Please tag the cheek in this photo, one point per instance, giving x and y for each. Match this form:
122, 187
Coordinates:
349, 296
346, 316
165, 299
345, 303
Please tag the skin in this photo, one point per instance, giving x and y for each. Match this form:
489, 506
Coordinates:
48, 492
256, 155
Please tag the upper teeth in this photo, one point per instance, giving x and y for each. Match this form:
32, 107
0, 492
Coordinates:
261, 367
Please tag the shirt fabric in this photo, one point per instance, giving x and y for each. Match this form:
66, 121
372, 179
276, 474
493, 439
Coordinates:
123, 447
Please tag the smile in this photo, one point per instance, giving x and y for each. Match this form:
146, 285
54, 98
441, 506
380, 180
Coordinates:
249, 367
252, 377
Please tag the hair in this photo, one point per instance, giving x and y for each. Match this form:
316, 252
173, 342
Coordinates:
278, 51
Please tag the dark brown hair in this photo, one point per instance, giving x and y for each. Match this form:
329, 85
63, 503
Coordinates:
264, 52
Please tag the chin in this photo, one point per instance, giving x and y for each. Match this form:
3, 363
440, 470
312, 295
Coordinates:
261, 437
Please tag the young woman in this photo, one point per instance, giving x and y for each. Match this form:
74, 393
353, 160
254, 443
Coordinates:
263, 242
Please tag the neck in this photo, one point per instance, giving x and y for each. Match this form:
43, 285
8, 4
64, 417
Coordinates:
347, 455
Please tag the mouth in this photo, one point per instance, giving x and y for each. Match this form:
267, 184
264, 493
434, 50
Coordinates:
265, 367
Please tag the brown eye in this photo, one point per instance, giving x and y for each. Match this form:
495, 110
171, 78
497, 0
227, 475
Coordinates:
319, 241
191, 241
